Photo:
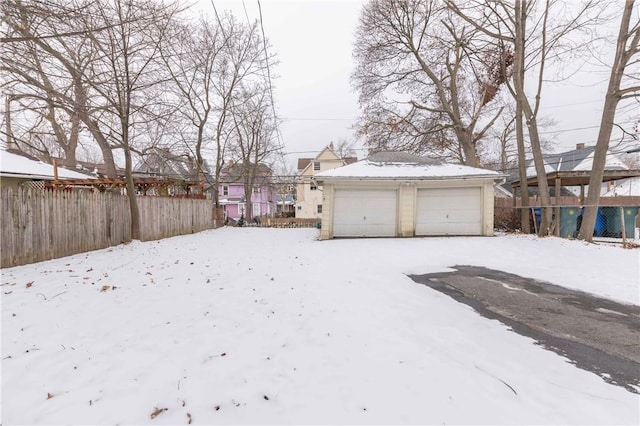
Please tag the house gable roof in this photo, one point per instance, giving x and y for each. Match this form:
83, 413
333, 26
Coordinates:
579, 159
327, 155
574, 168
304, 162
400, 165
162, 162
233, 174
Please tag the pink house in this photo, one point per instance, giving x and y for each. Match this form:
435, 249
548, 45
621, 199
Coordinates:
232, 193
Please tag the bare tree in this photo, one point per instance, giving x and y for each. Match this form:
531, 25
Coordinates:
242, 60
45, 67
527, 26
502, 155
623, 84
285, 185
345, 148
127, 74
425, 79
192, 55
254, 138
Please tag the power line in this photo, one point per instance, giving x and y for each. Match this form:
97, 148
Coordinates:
317, 119
273, 106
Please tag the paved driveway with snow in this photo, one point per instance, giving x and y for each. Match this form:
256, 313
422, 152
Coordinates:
597, 334
272, 326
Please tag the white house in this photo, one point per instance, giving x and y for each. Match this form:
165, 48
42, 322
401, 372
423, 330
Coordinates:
403, 195
625, 188
308, 192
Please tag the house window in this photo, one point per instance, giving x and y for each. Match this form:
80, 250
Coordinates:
225, 190
256, 189
256, 209
316, 165
319, 208
313, 186
299, 207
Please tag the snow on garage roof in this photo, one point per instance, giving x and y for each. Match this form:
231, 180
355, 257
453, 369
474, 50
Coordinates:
15, 165
392, 165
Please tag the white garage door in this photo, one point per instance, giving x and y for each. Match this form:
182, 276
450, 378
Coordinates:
449, 211
364, 213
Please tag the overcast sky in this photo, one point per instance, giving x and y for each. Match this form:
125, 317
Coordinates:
313, 41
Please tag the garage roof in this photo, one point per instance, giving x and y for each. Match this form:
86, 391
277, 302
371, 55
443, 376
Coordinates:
19, 166
400, 165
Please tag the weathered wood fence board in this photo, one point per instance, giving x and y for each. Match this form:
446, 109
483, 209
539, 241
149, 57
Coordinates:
163, 217
39, 225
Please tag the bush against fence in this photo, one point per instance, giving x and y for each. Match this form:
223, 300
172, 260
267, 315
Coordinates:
40, 225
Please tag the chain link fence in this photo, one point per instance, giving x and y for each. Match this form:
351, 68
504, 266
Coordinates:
619, 222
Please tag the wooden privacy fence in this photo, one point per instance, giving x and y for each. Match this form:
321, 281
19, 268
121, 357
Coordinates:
39, 225
163, 217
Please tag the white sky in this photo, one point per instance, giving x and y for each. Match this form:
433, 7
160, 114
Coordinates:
313, 41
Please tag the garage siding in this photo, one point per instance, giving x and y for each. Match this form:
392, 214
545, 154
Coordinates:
365, 213
449, 211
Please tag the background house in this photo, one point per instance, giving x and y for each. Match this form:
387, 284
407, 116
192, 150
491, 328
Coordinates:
308, 193
232, 193
573, 169
624, 188
162, 163
285, 205
396, 194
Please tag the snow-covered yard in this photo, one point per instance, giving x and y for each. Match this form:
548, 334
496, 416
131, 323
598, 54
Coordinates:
272, 326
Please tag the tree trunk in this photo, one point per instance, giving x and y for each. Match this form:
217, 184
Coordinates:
131, 193
525, 225
543, 186
521, 97
518, 79
606, 126
468, 148
107, 153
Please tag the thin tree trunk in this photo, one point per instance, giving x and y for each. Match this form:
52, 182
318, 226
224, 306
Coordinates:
518, 79
525, 225
131, 194
606, 123
543, 187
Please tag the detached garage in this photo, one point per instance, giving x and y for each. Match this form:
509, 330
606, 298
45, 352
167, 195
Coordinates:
403, 195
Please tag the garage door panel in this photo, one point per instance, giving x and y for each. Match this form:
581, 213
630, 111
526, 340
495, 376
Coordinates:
364, 213
449, 211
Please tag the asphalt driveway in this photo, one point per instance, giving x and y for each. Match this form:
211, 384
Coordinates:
598, 335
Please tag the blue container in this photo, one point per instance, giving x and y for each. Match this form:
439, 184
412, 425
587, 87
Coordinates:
600, 227
601, 223
568, 221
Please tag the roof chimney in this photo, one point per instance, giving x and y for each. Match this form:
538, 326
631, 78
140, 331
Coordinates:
580, 146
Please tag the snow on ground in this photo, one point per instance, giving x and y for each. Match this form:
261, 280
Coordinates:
272, 326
